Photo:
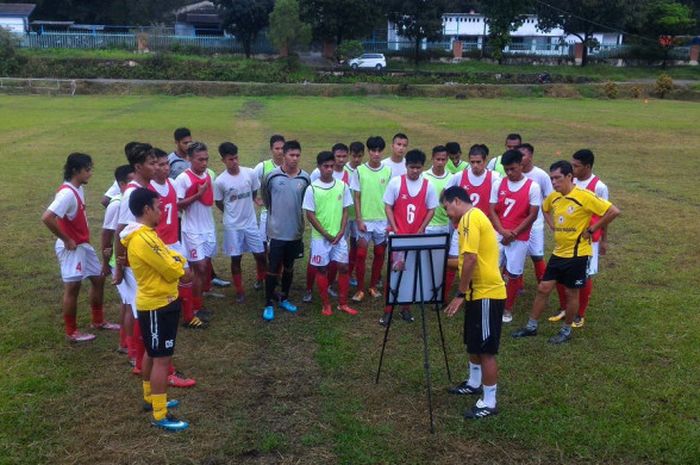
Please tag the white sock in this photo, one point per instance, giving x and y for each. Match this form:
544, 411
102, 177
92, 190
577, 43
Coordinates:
490, 396
474, 375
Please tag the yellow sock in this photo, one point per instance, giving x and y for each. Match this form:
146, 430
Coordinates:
147, 391
160, 406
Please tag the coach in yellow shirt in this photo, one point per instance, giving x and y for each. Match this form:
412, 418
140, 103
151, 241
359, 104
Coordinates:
569, 209
484, 291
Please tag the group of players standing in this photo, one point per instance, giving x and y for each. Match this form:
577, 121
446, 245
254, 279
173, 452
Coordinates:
159, 237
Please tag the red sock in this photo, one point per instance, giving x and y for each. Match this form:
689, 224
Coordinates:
322, 283
122, 337
332, 272
343, 288
584, 296
561, 290
377, 263
171, 368
260, 271
512, 287
130, 347
185, 292
139, 348
71, 324
310, 274
206, 285
352, 258
540, 266
360, 267
449, 280
196, 303
98, 315
237, 283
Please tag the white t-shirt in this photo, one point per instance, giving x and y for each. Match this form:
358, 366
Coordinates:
113, 190
316, 174
414, 187
111, 220
125, 215
236, 191
197, 218
534, 196
310, 204
474, 180
397, 169
601, 190
541, 178
64, 204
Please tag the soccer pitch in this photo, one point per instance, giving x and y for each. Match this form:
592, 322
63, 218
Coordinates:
301, 389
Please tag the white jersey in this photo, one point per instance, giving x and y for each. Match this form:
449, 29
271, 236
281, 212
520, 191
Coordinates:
601, 190
397, 169
197, 218
309, 202
394, 187
125, 215
65, 205
113, 190
236, 192
111, 220
534, 196
541, 178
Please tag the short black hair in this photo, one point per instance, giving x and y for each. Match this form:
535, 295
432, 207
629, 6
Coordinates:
159, 153
357, 147
563, 166
453, 148
339, 146
276, 138
527, 147
479, 150
139, 154
514, 136
291, 145
121, 174
228, 148
438, 149
375, 143
181, 133
511, 156
585, 156
455, 192
129, 147
415, 156
323, 157
75, 163
399, 135
195, 147
139, 199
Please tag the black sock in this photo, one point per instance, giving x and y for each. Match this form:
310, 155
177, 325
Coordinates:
270, 285
287, 276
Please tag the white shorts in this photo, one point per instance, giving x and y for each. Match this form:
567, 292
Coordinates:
322, 252
127, 289
199, 246
177, 247
513, 256
454, 244
376, 232
437, 229
239, 241
262, 225
535, 246
77, 264
592, 268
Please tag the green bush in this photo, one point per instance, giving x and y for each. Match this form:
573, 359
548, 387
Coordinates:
349, 49
9, 59
611, 90
664, 85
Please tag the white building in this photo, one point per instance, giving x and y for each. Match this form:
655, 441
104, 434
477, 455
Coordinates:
473, 29
15, 16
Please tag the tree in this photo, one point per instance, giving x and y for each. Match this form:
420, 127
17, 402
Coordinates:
665, 19
117, 12
287, 31
583, 18
417, 19
503, 17
245, 19
340, 20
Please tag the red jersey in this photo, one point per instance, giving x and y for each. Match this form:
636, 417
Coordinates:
208, 197
479, 195
410, 212
513, 208
77, 228
167, 228
595, 218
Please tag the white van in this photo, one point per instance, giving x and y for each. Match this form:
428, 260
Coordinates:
368, 61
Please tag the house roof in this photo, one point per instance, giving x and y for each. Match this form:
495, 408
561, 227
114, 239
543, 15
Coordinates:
16, 9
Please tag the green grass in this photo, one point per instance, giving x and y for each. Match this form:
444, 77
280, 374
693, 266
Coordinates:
301, 390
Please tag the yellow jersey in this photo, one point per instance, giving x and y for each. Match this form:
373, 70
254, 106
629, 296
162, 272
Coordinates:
477, 236
571, 215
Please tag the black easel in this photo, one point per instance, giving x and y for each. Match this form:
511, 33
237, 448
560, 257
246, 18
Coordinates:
418, 297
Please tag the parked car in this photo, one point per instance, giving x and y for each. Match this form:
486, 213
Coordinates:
368, 61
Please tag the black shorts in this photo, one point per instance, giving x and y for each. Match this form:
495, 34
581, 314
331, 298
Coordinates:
159, 329
570, 272
284, 252
482, 325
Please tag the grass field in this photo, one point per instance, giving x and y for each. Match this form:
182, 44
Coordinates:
300, 390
